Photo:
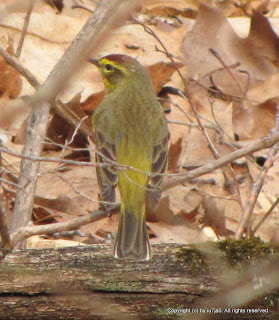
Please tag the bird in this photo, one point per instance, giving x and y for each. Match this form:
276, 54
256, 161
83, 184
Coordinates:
130, 129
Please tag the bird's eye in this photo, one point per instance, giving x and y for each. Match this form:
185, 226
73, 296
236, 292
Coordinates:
108, 67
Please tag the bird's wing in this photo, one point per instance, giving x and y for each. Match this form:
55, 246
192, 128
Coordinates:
158, 168
107, 176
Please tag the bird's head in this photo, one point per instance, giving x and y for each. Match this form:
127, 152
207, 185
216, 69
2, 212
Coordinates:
117, 68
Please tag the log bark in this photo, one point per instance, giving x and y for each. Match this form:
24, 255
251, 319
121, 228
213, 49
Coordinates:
88, 283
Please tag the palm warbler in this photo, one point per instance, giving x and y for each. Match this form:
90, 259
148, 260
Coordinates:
130, 128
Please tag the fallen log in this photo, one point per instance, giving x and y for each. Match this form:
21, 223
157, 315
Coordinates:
88, 283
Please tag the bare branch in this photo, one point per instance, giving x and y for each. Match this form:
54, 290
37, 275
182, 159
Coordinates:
174, 179
28, 231
37, 125
266, 142
107, 15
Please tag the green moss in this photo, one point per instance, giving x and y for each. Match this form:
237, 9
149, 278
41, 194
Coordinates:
241, 251
111, 284
107, 286
160, 312
167, 313
236, 253
194, 258
271, 301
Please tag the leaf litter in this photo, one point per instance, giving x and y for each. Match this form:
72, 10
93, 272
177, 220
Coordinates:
237, 105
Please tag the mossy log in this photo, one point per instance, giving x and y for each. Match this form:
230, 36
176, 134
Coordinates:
88, 283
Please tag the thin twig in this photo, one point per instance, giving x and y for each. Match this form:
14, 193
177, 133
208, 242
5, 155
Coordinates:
78, 191
13, 61
217, 56
61, 108
210, 143
247, 85
79, 6
230, 166
177, 179
265, 217
174, 180
193, 125
232, 66
15, 185
108, 15
251, 202
24, 29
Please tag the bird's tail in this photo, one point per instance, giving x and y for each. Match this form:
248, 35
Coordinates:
132, 238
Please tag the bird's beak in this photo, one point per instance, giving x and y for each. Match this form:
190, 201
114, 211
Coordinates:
95, 62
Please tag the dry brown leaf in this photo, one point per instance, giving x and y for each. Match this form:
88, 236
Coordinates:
161, 73
214, 215
178, 4
56, 4
13, 113
105, 228
62, 203
180, 206
254, 122
37, 242
265, 40
10, 80
221, 37
179, 213
254, 169
163, 213
92, 102
197, 152
174, 154
264, 91
171, 12
102, 227
60, 129
175, 233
